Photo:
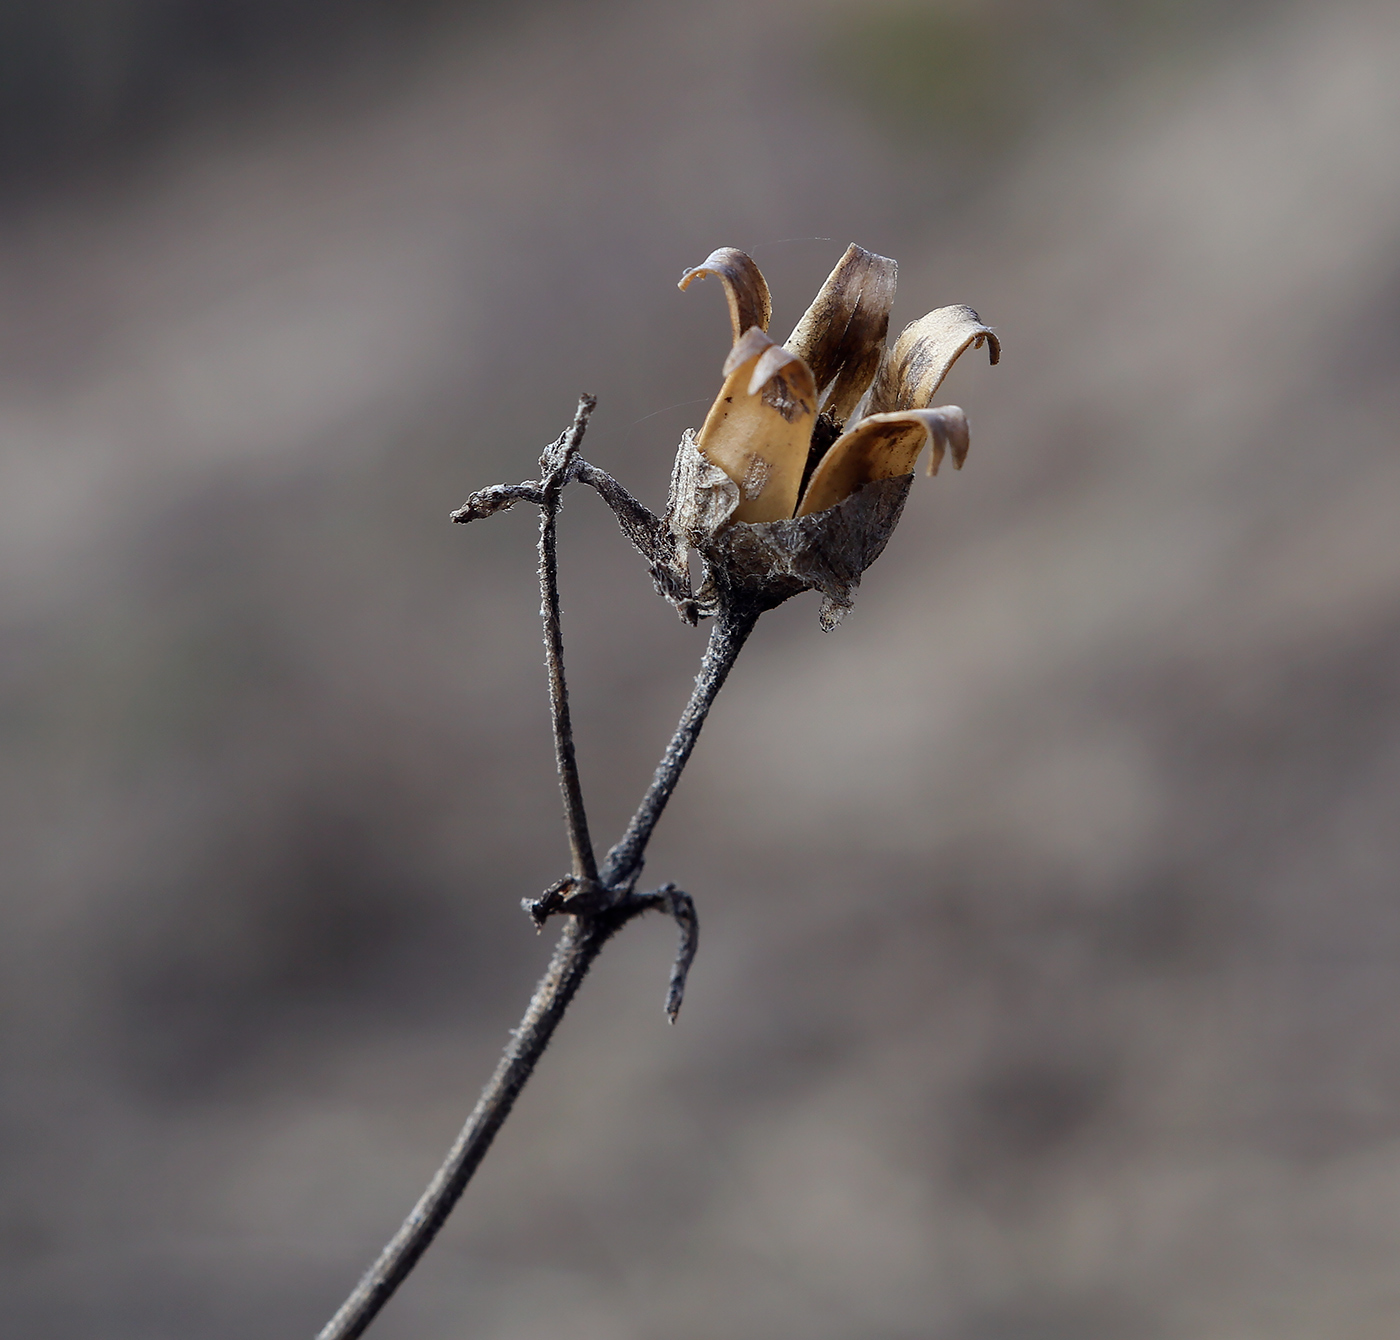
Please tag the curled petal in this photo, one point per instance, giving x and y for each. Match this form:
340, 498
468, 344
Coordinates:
771, 362
842, 334
912, 373
760, 426
881, 447
744, 286
747, 347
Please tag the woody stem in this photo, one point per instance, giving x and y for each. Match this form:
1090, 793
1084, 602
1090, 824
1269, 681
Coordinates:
585, 866
727, 637
577, 948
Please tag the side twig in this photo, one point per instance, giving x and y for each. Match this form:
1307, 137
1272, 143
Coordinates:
554, 471
681, 907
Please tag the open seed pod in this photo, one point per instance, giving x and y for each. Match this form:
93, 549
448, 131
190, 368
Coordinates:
772, 494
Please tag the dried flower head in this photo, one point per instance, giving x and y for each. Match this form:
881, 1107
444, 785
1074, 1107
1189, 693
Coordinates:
801, 469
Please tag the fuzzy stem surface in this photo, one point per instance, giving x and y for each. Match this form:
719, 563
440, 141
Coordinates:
585, 865
727, 637
577, 948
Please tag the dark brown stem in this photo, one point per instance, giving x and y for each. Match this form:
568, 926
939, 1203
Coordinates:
727, 637
577, 948
554, 470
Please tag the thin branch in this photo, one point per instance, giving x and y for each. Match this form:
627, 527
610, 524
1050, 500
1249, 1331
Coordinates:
648, 535
498, 498
727, 637
577, 948
639, 523
681, 906
554, 467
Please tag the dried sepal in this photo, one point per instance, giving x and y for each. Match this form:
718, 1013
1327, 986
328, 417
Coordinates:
744, 287
841, 337
762, 565
703, 499
915, 368
881, 447
760, 426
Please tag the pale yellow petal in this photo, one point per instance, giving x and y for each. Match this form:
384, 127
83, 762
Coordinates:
744, 286
914, 369
882, 446
760, 427
747, 347
842, 335
770, 362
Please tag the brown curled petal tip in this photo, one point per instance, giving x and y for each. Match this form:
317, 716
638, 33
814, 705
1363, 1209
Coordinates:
744, 287
914, 369
880, 447
948, 430
770, 362
842, 334
749, 345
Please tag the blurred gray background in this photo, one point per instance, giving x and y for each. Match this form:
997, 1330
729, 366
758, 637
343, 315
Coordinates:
1050, 976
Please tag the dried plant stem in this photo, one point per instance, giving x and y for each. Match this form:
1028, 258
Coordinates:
595, 906
577, 948
727, 637
554, 468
